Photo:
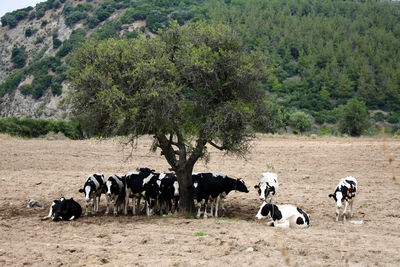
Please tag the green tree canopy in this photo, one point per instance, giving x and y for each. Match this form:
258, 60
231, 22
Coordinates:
300, 121
189, 86
354, 118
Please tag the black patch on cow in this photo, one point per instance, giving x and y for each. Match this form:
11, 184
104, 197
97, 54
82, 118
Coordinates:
299, 221
305, 217
273, 210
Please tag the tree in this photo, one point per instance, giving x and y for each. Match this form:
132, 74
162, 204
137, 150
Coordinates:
189, 87
300, 121
354, 118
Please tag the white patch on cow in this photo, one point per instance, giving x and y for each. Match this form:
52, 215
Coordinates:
339, 197
158, 183
259, 216
162, 176
195, 184
87, 193
108, 186
96, 183
119, 181
130, 173
176, 187
147, 179
219, 174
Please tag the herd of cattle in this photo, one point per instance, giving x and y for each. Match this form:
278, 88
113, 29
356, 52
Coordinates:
160, 192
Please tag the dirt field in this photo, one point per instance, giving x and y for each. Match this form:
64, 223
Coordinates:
308, 170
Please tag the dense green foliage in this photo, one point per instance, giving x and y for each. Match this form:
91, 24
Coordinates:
37, 127
355, 118
322, 52
18, 56
300, 121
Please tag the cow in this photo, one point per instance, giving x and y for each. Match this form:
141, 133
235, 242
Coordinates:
64, 209
284, 216
268, 184
115, 192
93, 188
169, 190
215, 187
144, 183
345, 192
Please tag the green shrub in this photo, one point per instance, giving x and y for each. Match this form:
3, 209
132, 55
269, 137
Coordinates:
36, 127
379, 116
18, 56
394, 118
56, 43
39, 40
300, 121
354, 120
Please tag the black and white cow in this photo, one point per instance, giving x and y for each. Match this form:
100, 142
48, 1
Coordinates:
93, 188
215, 187
144, 183
284, 216
169, 190
345, 192
268, 185
64, 209
115, 192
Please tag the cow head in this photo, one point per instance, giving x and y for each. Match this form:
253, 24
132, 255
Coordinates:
59, 208
264, 210
264, 189
241, 186
338, 197
151, 186
88, 190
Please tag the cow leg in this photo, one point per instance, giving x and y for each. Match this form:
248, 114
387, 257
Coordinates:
198, 205
216, 206
50, 213
337, 213
98, 203
72, 218
211, 208
133, 206
205, 208
108, 204
222, 204
116, 206
126, 202
346, 204
351, 208
284, 224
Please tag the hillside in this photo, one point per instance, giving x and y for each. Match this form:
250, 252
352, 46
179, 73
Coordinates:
321, 53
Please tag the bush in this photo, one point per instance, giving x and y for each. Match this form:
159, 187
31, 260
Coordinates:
36, 127
394, 118
39, 40
300, 121
18, 56
56, 43
354, 120
270, 116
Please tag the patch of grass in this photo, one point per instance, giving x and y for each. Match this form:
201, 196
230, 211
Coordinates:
200, 234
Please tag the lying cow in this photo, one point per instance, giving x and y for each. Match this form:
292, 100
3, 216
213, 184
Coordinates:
169, 191
284, 216
268, 185
93, 188
345, 192
64, 209
115, 192
215, 187
144, 183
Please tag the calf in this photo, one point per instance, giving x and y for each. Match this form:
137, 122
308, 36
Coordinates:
284, 216
268, 184
169, 190
345, 192
64, 209
144, 183
115, 191
93, 188
214, 187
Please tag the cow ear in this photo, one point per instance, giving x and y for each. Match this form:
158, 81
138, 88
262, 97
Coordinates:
81, 190
256, 186
331, 195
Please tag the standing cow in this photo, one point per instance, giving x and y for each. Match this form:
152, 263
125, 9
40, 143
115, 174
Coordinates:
115, 192
345, 192
169, 191
268, 185
93, 188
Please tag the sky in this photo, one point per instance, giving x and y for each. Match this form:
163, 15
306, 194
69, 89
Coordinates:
11, 5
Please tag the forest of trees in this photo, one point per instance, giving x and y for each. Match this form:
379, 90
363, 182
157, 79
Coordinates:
321, 53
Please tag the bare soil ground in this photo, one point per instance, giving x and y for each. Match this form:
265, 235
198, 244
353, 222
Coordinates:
308, 170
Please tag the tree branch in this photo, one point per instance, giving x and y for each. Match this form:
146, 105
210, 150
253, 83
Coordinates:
217, 146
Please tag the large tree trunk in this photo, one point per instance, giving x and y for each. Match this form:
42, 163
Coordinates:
186, 205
